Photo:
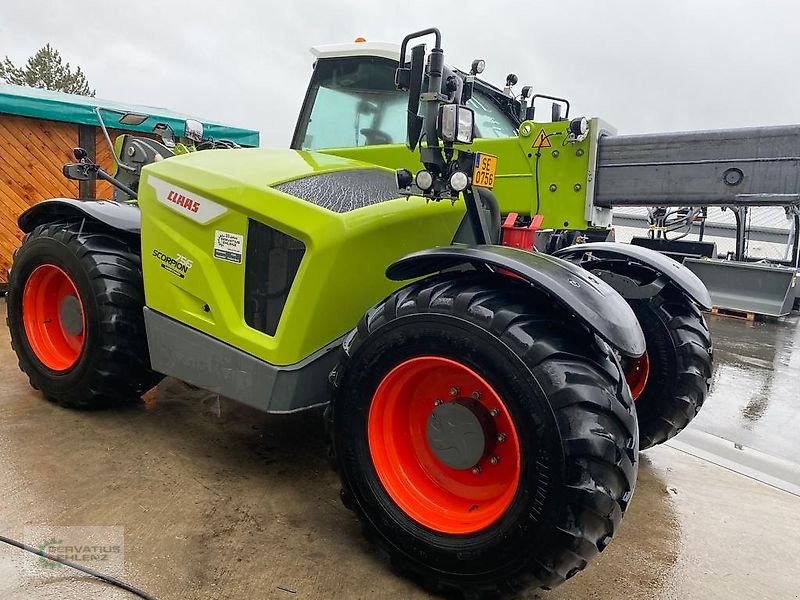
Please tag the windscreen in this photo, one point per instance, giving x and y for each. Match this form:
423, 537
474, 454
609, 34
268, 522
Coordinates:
353, 102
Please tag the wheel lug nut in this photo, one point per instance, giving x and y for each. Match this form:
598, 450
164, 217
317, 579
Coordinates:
501, 437
454, 391
494, 460
494, 412
476, 470
437, 402
476, 395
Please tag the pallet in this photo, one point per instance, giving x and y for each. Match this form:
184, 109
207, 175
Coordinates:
734, 314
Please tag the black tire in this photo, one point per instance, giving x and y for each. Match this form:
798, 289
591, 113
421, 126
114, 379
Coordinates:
679, 351
105, 268
571, 407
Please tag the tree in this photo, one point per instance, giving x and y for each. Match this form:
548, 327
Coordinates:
46, 70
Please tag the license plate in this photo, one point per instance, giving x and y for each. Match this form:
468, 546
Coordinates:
484, 170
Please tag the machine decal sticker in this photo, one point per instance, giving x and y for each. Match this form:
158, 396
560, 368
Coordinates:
178, 265
542, 140
228, 246
185, 202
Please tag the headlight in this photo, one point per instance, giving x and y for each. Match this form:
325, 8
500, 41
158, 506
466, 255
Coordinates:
424, 180
458, 181
455, 124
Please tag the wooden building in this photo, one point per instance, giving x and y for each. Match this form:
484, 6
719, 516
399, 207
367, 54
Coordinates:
39, 129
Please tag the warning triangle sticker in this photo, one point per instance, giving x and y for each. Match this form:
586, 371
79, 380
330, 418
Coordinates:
541, 141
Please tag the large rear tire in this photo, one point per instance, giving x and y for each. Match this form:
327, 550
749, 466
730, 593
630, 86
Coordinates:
485, 440
75, 302
679, 355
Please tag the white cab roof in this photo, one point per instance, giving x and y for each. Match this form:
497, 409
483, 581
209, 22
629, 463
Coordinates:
380, 49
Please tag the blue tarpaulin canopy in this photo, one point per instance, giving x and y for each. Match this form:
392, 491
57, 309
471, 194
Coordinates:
70, 108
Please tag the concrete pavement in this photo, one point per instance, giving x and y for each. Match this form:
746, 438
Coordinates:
219, 501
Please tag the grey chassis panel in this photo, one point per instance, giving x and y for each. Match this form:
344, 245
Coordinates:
194, 357
602, 309
674, 271
125, 217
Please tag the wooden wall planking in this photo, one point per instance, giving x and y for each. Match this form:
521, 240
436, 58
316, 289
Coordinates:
104, 157
32, 153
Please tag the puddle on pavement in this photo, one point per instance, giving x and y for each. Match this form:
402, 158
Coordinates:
754, 397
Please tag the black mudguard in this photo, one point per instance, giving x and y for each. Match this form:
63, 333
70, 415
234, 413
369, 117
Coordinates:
661, 265
593, 301
117, 215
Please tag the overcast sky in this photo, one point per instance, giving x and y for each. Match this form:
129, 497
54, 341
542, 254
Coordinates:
641, 65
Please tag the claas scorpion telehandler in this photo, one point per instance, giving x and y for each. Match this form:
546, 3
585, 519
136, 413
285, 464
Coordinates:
480, 394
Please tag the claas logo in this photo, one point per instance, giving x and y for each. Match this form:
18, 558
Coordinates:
184, 201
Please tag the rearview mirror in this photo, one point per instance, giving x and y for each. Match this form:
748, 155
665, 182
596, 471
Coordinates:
193, 130
133, 119
555, 112
166, 133
77, 172
411, 79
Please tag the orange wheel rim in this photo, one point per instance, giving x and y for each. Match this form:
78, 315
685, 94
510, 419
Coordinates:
408, 455
53, 317
637, 374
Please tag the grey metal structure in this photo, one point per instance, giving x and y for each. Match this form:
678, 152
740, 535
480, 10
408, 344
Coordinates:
772, 235
757, 166
748, 287
733, 168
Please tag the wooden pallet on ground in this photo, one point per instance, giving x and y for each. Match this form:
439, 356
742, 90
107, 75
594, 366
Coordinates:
735, 314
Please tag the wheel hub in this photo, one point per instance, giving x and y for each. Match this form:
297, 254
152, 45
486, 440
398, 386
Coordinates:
71, 315
456, 433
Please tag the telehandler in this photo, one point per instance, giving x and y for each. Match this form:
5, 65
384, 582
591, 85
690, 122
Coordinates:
480, 415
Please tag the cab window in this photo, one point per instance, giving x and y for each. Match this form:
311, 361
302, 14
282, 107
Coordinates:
490, 121
353, 102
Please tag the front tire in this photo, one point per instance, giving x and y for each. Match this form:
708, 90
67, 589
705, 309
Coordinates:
75, 303
525, 478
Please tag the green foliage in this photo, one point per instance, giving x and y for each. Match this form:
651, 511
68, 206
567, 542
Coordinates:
46, 70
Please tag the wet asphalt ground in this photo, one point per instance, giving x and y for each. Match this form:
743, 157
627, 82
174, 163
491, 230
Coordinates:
755, 397
215, 500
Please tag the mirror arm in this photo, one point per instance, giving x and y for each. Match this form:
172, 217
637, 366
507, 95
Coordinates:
101, 174
120, 164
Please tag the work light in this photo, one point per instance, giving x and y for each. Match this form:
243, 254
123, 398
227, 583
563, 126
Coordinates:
455, 124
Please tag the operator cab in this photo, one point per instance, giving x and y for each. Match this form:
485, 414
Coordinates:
352, 101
